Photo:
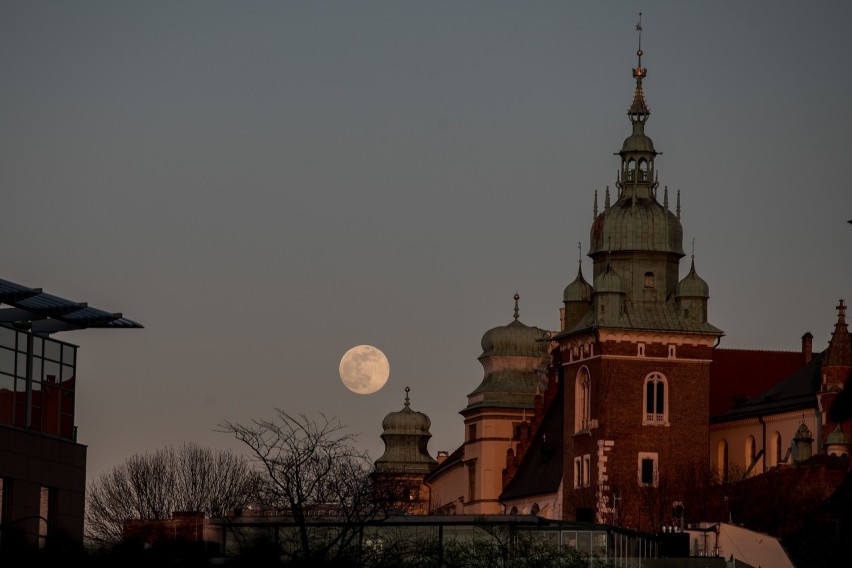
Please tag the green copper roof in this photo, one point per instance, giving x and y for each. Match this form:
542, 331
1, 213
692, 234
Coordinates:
692, 285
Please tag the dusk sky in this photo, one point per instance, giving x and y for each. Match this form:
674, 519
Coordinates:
264, 185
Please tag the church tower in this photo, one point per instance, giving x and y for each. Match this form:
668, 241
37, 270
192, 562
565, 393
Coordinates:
634, 351
398, 477
514, 358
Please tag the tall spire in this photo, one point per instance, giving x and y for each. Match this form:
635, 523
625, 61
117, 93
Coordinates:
639, 111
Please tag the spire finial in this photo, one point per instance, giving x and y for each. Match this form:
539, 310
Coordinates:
606, 200
693, 247
517, 297
639, 110
666, 196
678, 204
407, 390
595, 210
580, 253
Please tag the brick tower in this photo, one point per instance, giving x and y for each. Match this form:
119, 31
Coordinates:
634, 352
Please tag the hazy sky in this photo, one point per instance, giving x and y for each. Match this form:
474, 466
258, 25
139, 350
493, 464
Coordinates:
264, 185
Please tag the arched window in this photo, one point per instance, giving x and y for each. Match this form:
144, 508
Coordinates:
750, 451
514, 511
656, 401
643, 170
776, 449
722, 460
582, 400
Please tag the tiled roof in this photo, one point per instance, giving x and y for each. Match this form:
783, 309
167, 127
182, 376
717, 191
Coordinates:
540, 470
649, 316
454, 458
796, 392
742, 374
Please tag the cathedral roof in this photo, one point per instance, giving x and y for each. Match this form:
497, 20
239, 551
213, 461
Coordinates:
540, 470
406, 436
645, 316
514, 338
742, 374
692, 285
513, 357
796, 392
579, 290
609, 281
839, 352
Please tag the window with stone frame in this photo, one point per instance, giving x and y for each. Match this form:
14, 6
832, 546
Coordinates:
582, 400
655, 403
648, 469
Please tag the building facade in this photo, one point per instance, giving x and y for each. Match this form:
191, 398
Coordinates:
42, 465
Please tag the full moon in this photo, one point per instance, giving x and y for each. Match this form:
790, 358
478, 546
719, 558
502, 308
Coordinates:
364, 369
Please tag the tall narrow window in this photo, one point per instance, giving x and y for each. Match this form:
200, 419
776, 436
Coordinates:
776, 449
722, 460
471, 432
471, 480
656, 408
750, 451
587, 470
578, 472
582, 400
44, 511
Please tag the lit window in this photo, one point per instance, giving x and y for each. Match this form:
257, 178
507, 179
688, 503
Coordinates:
44, 511
578, 472
656, 404
582, 400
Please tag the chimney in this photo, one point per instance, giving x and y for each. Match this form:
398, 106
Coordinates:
808, 347
442, 455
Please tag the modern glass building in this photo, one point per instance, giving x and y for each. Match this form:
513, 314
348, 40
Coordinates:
42, 466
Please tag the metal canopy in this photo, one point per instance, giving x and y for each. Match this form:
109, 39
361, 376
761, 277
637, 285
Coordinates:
44, 314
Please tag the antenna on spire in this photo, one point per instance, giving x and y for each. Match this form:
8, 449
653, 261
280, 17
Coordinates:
639, 29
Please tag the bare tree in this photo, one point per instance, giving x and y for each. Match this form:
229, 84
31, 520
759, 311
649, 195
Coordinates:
154, 485
315, 474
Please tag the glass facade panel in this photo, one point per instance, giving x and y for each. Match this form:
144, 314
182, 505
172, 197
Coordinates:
46, 402
7, 337
21, 371
69, 354
51, 370
52, 350
7, 361
7, 399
